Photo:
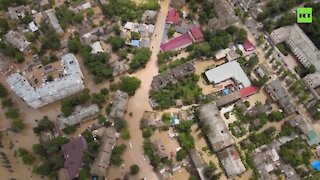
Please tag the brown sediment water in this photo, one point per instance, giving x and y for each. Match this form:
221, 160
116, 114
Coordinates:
137, 105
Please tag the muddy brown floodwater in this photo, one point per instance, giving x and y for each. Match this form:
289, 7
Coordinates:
137, 105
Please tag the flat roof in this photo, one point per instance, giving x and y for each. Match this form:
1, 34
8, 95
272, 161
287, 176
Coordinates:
226, 71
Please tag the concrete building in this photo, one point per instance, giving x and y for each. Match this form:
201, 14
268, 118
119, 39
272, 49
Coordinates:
172, 76
80, 114
51, 18
102, 160
299, 43
73, 153
119, 104
69, 81
32, 27
231, 161
280, 95
218, 133
313, 83
198, 164
231, 70
17, 40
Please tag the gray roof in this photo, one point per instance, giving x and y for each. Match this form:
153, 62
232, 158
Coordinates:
218, 134
226, 71
17, 40
102, 159
231, 161
225, 13
228, 99
287, 106
70, 83
172, 76
16, 12
312, 80
276, 90
119, 104
198, 163
79, 115
299, 43
53, 20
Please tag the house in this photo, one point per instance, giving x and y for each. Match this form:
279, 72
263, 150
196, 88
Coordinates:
17, 12
233, 97
177, 4
17, 40
225, 15
172, 76
230, 70
159, 149
51, 18
32, 27
102, 160
300, 44
96, 48
119, 67
231, 161
259, 108
280, 95
36, 91
80, 114
196, 34
149, 17
81, 7
218, 133
247, 45
173, 17
177, 43
300, 123
73, 154
152, 119
313, 83
313, 138
119, 104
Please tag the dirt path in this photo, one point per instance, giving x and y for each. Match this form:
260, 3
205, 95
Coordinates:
138, 104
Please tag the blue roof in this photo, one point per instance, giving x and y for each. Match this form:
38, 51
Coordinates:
226, 91
135, 43
316, 165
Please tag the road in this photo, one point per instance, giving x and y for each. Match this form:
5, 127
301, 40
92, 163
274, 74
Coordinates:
140, 103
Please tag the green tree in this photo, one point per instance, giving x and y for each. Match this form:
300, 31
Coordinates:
17, 125
4, 26
116, 43
129, 84
125, 134
181, 154
74, 44
27, 158
3, 91
134, 169
7, 103
140, 59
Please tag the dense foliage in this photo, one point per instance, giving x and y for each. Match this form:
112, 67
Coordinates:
69, 103
186, 89
296, 152
51, 156
313, 29
140, 58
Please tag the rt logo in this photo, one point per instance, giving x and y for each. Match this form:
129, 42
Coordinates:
304, 15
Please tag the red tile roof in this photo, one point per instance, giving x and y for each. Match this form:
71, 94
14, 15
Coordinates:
177, 42
173, 17
73, 152
196, 33
247, 45
247, 91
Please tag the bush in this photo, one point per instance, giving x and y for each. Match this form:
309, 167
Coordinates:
125, 134
134, 169
3, 91
7, 103
181, 154
27, 158
147, 133
227, 115
70, 129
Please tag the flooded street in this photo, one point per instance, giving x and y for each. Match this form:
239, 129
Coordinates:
137, 105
